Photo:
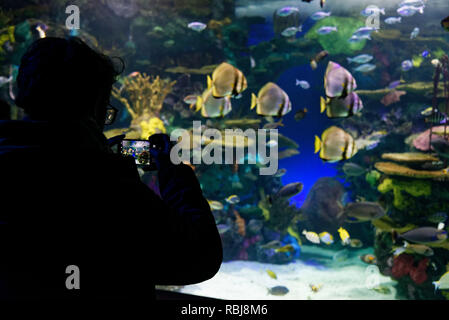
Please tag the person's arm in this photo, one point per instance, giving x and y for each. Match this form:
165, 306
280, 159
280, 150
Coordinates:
191, 248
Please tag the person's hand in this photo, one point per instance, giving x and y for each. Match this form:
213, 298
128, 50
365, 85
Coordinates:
160, 147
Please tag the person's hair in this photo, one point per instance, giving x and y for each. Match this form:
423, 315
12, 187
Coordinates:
63, 77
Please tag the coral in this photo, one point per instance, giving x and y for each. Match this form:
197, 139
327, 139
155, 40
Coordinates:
281, 214
394, 169
6, 34
409, 157
203, 70
415, 188
372, 177
418, 274
402, 265
143, 97
421, 142
337, 42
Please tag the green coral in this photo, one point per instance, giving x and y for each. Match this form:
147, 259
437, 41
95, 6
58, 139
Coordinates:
337, 42
404, 192
372, 177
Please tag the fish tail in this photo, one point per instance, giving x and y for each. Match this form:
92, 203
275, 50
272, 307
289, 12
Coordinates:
253, 101
209, 82
322, 105
317, 144
199, 103
382, 11
349, 59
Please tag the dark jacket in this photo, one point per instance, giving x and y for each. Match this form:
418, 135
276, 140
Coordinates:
62, 204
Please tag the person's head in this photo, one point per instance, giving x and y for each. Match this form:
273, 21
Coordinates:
65, 80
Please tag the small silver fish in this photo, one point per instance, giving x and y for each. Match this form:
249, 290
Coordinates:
326, 30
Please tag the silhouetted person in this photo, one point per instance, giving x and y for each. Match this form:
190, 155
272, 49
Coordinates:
66, 197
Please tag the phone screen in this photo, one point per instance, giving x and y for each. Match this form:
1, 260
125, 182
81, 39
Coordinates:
138, 149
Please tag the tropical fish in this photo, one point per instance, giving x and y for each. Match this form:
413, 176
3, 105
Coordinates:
300, 114
372, 9
394, 84
338, 82
289, 190
278, 291
425, 54
437, 117
318, 57
414, 248
233, 199
445, 23
428, 111
411, 3
408, 11
367, 67
326, 30
363, 31
286, 11
212, 107
311, 236
304, 84
223, 228
353, 169
363, 211
280, 173
361, 58
272, 245
386, 224
326, 238
335, 145
320, 15
344, 236
443, 283
197, 26
291, 31
355, 243
393, 20
355, 39
271, 101
215, 205
341, 107
190, 99
271, 274
226, 80
369, 259
315, 288
424, 235
392, 97
273, 125
414, 33
286, 248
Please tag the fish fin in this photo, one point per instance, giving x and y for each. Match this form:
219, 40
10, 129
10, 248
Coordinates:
192, 106
199, 104
317, 144
209, 82
322, 105
253, 101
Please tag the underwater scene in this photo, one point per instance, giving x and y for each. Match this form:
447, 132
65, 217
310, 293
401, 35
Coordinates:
354, 96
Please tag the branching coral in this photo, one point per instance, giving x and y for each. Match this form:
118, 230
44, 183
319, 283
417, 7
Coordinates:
143, 97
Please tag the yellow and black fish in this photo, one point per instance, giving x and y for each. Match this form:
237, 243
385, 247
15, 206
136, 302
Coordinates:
271, 101
226, 80
335, 145
341, 107
213, 107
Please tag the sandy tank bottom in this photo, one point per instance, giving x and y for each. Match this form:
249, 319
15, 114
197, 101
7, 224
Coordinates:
341, 277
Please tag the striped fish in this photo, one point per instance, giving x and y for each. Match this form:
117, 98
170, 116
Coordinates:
226, 80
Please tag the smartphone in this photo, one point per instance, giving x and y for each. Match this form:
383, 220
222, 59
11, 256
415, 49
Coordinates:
140, 151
